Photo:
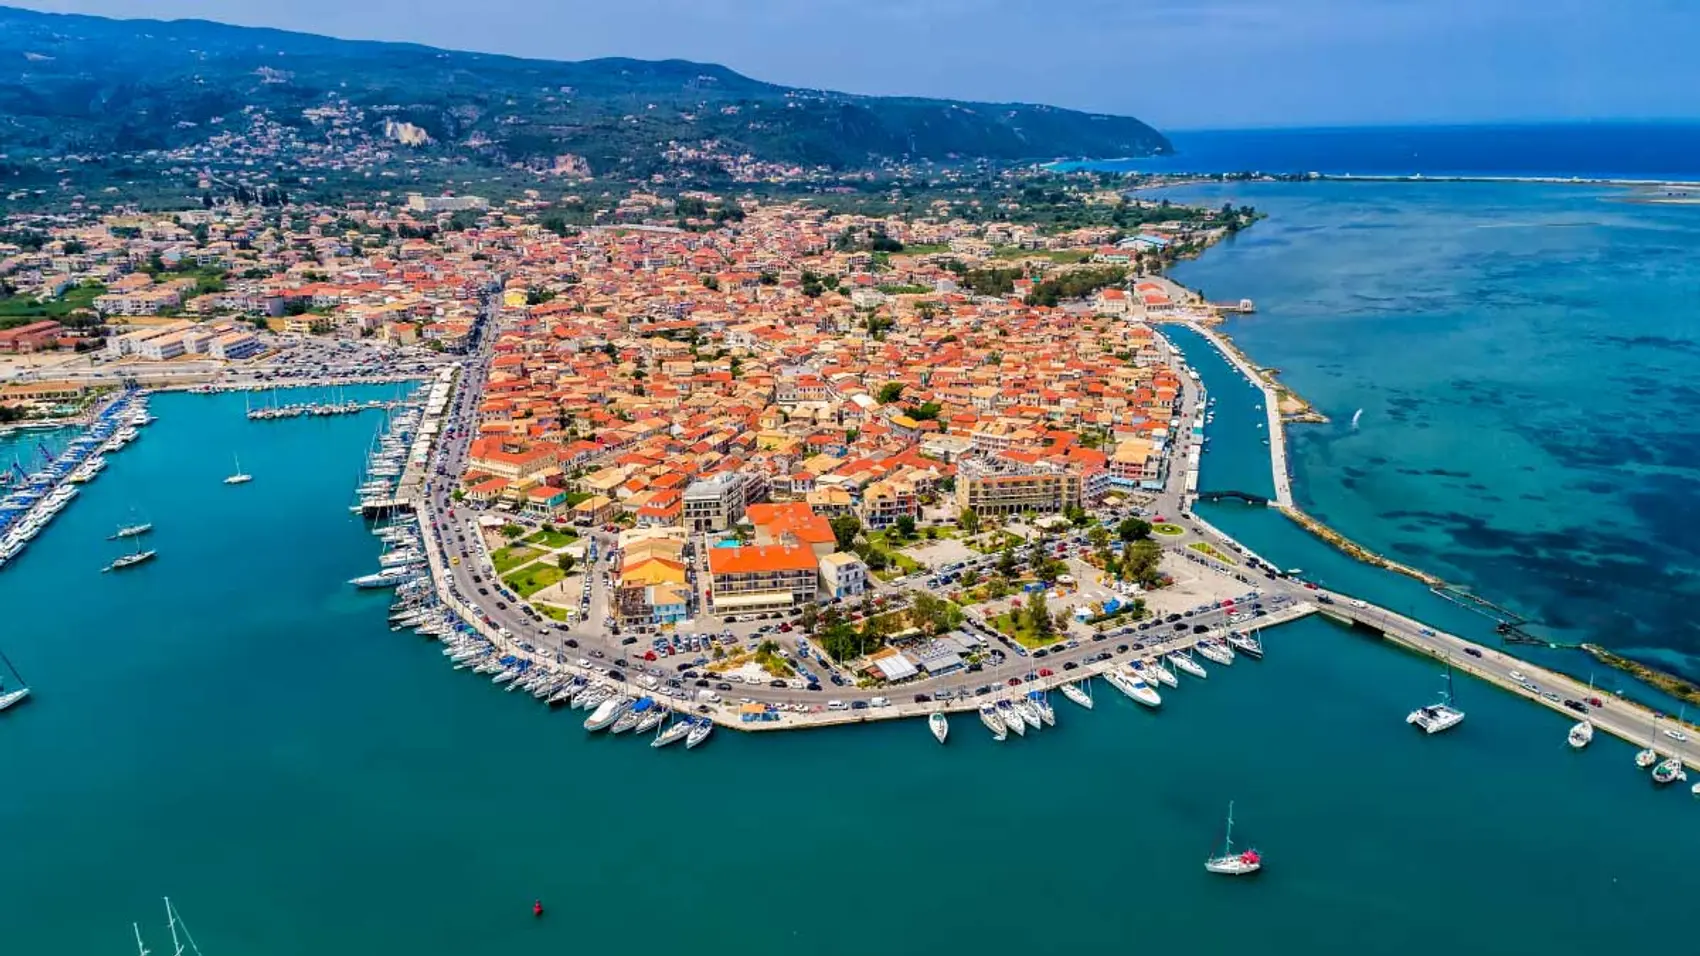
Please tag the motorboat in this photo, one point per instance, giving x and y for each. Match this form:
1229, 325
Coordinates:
1439, 716
1248, 644
994, 721
939, 724
1135, 688
1581, 735
1186, 665
1229, 863
387, 578
606, 713
1217, 653
1078, 694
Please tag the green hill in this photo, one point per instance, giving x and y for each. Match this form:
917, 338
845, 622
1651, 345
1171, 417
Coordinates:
95, 85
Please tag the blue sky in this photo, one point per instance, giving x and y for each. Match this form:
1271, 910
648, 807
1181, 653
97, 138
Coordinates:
1178, 64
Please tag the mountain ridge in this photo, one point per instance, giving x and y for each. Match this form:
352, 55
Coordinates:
79, 83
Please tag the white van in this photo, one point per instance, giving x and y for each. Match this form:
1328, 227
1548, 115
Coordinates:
835, 705
879, 702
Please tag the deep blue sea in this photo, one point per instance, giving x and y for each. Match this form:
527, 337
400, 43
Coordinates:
1605, 150
234, 726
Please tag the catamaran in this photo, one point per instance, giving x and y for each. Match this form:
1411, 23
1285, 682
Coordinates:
16, 695
1186, 665
1437, 717
238, 477
1079, 693
1581, 735
994, 721
1229, 863
939, 724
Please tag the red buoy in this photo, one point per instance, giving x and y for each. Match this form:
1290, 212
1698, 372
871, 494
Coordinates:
537, 908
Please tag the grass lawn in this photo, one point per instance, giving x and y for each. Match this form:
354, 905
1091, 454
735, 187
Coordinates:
1206, 548
1021, 632
551, 538
1171, 530
512, 556
552, 612
529, 581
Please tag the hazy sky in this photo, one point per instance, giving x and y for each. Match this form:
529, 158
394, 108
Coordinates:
1175, 63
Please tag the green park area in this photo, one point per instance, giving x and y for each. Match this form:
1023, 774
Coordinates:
512, 556
551, 538
528, 581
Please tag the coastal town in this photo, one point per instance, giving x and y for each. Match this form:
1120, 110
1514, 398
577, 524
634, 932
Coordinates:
842, 466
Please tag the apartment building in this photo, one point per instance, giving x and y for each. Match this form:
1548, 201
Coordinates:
1003, 487
762, 578
715, 503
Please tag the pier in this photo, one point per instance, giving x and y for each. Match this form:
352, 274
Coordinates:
320, 409
1271, 408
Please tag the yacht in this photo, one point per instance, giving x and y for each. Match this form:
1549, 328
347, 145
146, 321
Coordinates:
1029, 713
1229, 863
1669, 770
939, 724
650, 720
130, 560
1159, 670
131, 531
674, 733
606, 713
699, 733
1012, 718
1135, 688
1043, 706
1581, 735
238, 477
1186, 665
1218, 653
1078, 694
387, 578
10, 698
1440, 716
401, 559
1248, 644
994, 723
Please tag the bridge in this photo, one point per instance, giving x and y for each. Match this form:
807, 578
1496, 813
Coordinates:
1244, 496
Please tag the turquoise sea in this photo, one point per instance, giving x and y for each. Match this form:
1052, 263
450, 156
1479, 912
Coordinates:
1525, 357
233, 726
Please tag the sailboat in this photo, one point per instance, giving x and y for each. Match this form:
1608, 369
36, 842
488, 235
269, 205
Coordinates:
1229, 863
132, 559
16, 695
1355, 416
131, 531
939, 724
1437, 717
1581, 735
1080, 693
176, 923
239, 477
1646, 758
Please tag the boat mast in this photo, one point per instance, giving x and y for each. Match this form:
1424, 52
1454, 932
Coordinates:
141, 948
10, 668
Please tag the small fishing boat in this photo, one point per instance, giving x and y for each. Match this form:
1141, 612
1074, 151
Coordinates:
939, 725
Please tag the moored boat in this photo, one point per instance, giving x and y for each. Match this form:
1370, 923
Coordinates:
699, 733
1581, 735
1248, 644
1186, 665
606, 713
1135, 688
1078, 694
1669, 770
673, 733
939, 724
1217, 653
1012, 718
994, 721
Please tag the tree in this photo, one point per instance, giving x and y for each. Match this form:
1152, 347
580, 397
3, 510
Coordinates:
1098, 536
809, 617
565, 562
905, 526
1006, 561
933, 614
889, 392
1039, 615
1133, 529
511, 530
1141, 560
970, 578
969, 521
845, 528
1077, 516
